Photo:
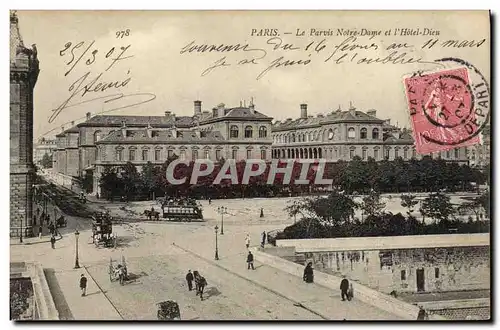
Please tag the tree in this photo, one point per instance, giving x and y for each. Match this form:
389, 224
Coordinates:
437, 206
371, 204
149, 176
333, 210
109, 182
409, 201
46, 161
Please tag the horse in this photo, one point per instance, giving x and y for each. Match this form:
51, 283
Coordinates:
200, 283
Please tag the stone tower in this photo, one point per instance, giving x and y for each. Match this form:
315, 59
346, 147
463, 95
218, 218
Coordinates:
23, 75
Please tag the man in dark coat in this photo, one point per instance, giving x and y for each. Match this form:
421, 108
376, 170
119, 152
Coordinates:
263, 241
250, 260
53, 241
189, 279
344, 286
83, 285
308, 273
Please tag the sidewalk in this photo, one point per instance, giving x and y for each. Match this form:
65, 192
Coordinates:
34, 240
315, 298
71, 305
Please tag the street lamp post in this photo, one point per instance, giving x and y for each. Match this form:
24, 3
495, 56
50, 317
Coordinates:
216, 244
222, 210
77, 263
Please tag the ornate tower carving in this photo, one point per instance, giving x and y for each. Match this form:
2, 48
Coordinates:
23, 76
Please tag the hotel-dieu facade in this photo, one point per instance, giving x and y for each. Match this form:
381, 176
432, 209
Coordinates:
232, 133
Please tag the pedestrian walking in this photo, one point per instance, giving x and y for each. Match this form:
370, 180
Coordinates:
250, 260
200, 283
344, 286
262, 212
350, 292
263, 239
53, 241
40, 232
247, 241
209, 201
83, 285
189, 279
308, 273
422, 314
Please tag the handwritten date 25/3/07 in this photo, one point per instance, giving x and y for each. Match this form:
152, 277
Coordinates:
82, 50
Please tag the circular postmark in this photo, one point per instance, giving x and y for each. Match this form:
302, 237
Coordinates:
456, 102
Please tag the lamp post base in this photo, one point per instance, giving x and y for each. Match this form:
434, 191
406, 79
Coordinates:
216, 255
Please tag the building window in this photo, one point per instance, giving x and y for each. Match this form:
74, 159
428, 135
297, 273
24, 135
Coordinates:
145, 154
248, 132
363, 133
195, 154
262, 132
217, 154
351, 153
405, 152
263, 154
351, 133
403, 275
293, 137
457, 153
448, 154
233, 133
131, 154
207, 154
387, 153
436, 272
414, 153
96, 154
375, 134
396, 153
157, 154
119, 154
364, 154
170, 153
375, 154
97, 136
249, 154
183, 154
235, 154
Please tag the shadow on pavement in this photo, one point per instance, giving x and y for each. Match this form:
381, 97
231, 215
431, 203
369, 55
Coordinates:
211, 292
58, 296
124, 241
135, 277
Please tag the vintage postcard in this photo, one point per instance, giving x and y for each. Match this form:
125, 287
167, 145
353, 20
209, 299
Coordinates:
250, 165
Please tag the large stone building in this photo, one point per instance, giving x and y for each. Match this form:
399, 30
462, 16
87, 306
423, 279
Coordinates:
23, 76
42, 147
229, 133
342, 135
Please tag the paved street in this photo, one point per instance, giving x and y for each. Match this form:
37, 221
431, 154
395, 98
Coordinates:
158, 255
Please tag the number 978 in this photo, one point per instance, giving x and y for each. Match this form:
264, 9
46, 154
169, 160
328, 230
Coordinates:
123, 33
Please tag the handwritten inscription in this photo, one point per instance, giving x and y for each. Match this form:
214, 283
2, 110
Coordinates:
86, 54
278, 52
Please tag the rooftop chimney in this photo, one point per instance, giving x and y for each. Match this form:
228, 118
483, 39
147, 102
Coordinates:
62, 128
352, 109
124, 129
197, 107
252, 107
220, 110
303, 111
338, 109
88, 115
72, 123
168, 113
388, 121
149, 131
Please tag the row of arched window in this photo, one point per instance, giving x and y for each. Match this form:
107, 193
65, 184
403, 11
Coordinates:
234, 132
331, 134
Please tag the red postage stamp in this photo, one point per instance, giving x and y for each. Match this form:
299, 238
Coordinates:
442, 110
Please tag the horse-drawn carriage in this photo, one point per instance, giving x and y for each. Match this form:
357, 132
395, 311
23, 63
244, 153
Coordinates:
118, 271
152, 214
102, 230
61, 222
182, 210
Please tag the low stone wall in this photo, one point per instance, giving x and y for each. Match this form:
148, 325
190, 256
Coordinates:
361, 292
386, 242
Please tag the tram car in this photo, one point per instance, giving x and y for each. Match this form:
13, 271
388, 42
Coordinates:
182, 210
102, 230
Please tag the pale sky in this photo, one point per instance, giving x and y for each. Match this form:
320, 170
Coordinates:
157, 37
